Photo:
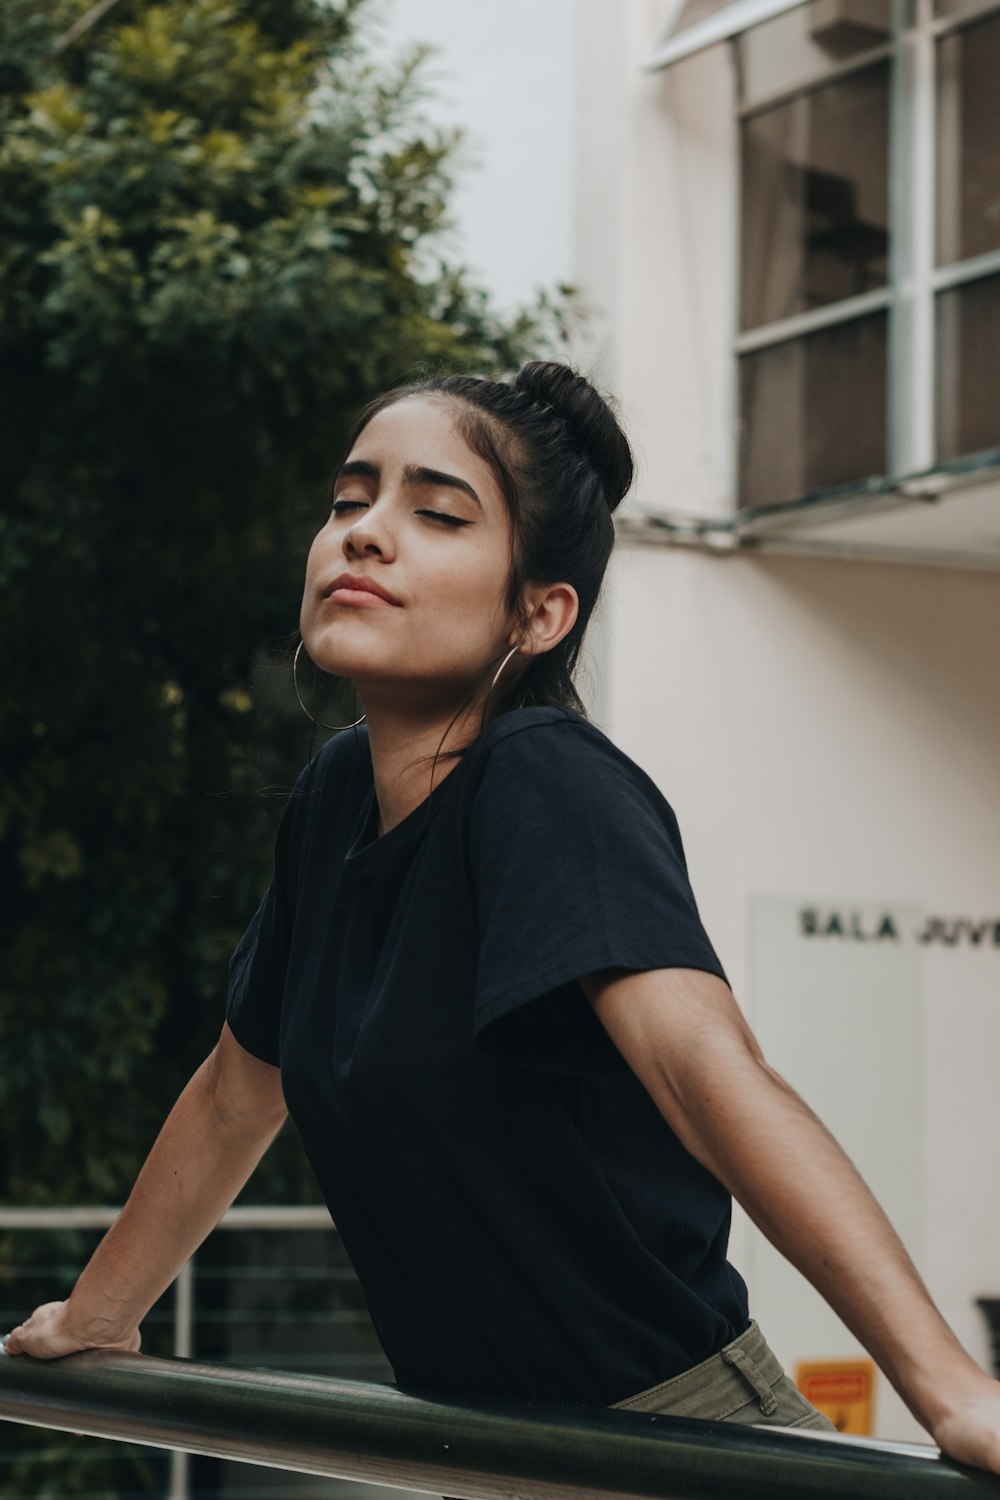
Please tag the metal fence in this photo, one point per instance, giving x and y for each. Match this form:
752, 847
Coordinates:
281, 1295
278, 1293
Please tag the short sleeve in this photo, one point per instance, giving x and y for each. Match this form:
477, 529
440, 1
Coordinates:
577, 863
259, 962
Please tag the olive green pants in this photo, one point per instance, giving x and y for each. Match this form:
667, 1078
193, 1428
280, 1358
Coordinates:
744, 1382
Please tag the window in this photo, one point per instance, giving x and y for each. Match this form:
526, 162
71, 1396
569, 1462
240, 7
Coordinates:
967, 339
813, 411
816, 198
967, 315
869, 296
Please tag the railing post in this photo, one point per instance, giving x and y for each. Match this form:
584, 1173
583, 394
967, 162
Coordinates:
180, 1463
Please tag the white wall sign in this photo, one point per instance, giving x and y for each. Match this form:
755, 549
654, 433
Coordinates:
874, 924
886, 1018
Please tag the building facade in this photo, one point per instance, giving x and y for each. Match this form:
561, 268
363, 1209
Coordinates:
788, 219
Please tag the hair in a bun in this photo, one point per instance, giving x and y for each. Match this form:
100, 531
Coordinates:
563, 464
589, 418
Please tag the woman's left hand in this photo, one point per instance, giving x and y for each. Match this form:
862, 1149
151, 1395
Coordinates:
970, 1430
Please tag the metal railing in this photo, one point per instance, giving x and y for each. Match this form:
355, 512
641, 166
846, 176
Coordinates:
480, 1448
189, 1321
477, 1448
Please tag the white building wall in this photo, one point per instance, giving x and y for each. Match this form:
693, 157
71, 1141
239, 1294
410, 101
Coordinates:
656, 220
827, 731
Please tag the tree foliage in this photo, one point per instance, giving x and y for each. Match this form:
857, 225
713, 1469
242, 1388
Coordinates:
217, 229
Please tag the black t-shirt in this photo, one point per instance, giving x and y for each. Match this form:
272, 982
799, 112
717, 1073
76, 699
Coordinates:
521, 1218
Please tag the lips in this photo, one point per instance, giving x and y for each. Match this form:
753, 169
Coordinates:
361, 585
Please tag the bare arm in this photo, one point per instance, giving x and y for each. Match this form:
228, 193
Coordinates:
683, 1035
216, 1133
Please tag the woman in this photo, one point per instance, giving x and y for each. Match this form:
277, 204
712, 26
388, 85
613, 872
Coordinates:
480, 969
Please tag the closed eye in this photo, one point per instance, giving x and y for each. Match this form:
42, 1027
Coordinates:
339, 507
440, 515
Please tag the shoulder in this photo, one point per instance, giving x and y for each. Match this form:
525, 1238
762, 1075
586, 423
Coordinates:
548, 781
524, 733
343, 753
343, 761
547, 735
558, 754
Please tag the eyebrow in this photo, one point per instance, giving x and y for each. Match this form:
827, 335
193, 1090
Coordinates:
412, 474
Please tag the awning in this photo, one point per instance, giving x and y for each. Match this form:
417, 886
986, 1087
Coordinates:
702, 23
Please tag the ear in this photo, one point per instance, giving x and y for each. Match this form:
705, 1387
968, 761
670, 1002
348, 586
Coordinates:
553, 609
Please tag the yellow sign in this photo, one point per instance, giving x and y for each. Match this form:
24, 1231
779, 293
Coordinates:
842, 1390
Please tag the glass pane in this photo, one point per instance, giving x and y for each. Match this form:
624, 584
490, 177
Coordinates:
956, 9
812, 412
815, 199
803, 45
968, 368
968, 154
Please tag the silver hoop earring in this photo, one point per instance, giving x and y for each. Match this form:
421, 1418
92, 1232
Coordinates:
500, 668
295, 684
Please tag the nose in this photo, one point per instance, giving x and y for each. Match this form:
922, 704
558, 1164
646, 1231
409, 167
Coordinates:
368, 536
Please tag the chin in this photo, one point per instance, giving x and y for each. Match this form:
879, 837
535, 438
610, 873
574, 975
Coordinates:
331, 653
358, 666
339, 664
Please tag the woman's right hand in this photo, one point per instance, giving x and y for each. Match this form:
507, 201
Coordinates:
50, 1333
225, 1119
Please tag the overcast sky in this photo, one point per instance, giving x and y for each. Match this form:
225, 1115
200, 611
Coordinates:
504, 72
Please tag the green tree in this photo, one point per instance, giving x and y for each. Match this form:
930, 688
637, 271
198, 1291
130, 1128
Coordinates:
217, 237
217, 225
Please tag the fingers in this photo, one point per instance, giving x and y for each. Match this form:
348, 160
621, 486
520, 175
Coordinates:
10, 1343
51, 1333
13, 1342
41, 1335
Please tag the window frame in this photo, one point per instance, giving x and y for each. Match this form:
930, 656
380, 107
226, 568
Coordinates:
914, 279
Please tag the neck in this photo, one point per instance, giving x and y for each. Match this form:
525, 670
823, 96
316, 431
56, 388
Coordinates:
403, 747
